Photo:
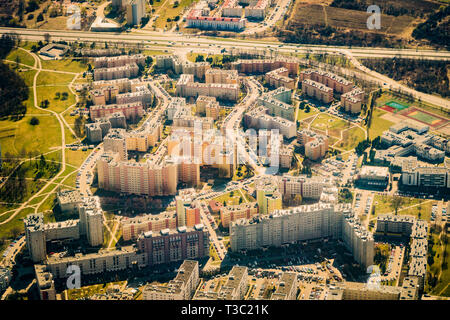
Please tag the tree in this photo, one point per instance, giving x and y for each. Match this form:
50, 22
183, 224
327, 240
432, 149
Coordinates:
199, 58
40, 17
396, 203
34, 121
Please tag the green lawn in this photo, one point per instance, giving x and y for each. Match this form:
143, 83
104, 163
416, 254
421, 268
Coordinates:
168, 11
351, 138
18, 137
378, 124
382, 206
68, 65
48, 78
439, 268
324, 121
49, 93
24, 57
302, 114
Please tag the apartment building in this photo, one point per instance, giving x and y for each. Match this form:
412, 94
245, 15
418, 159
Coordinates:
286, 288
328, 79
180, 288
278, 103
258, 66
307, 188
392, 224
234, 288
309, 222
280, 78
208, 107
123, 84
139, 94
179, 66
175, 104
127, 71
131, 111
126, 257
316, 145
221, 76
68, 200
187, 213
104, 95
133, 227
232, 213
174, 245
135, 12
186, 87
119, 61
44, 282
352, 100
35, 236
115, 141
195, 19
317, 90
268, 196
259, 119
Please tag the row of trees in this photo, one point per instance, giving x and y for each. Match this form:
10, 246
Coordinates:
429, 76
13, 90
435, 28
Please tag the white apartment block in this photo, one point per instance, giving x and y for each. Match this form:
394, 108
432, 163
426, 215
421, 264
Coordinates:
195, 19
321, 220
126, 71
119, 61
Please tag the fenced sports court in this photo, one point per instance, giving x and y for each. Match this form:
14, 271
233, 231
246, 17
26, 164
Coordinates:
425, 117
394, 107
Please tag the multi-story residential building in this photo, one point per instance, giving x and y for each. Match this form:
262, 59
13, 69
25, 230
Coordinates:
174, 245
140, 94
119, 61
268, 196
278, 103
127, 257
133, 227
116, 142
187, 213
392, 224
5, 278
132, 110
317, 90
195, 19
279, 78
221, 76
259, 119
316, 145
176, 104
254, 66
104, 95
286, 287
127, 71
97, 130
186, 87
179, 66
180, 288
123, 84
232, 213
328, 79
68, 200
35, 236
307, 188
135, 11
234, 287
64, 230
321, 220
207, 106
352, 100
44, 282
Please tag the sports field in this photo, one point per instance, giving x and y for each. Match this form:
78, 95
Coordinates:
394, 107
424, 117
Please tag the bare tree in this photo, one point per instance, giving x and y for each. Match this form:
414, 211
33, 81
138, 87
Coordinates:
396, 203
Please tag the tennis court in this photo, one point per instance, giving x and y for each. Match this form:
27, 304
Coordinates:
425, 117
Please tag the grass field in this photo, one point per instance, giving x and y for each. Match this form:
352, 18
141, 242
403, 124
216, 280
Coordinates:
439, 267
48, 78
378, 125
351, 138
167, 11
324, 122
303, 115
24, 57
383, 205
67, 65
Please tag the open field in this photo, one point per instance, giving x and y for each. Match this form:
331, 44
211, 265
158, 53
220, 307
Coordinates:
22, 56
379, 124
324, 122
67, 65
410, 206
169, 11
344, 18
